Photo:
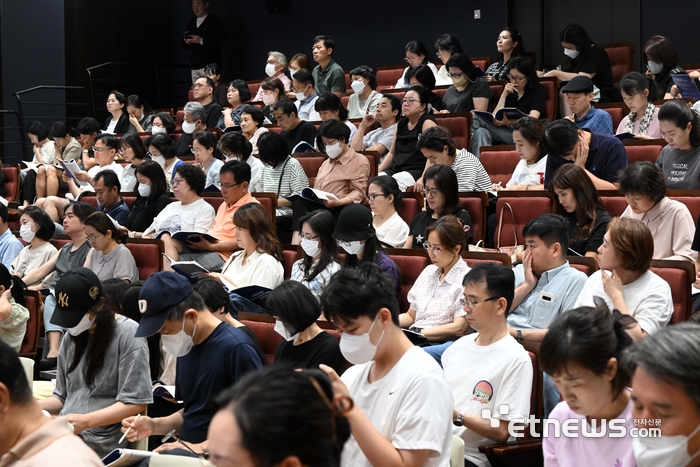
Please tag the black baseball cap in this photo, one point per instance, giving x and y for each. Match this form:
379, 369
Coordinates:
162, 291
76, 292
579, 84
354, 223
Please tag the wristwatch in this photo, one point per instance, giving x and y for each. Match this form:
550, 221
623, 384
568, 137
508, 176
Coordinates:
519, 335
459, 420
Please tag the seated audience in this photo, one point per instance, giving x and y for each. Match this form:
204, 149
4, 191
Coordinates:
305, 95
30, 437
320, 262
296, 64
670, 221
523, 92
416, 54
631, 288
468, 92
422, 75
71, 256
434, 310
294, 130
384, 199
639, 93
274, 68
88, 130
252, 127
203, 93
236, 146
602, 156
579, 95
235, 179
151, 196
356, 235
237, 96
213, 72
194, 120
140, 114
45, 154
328, 75
163, 122
381, 138
207, 157
528, 134
439, 148
163, 151
305, 344
665, 390
404, 161
489, 356
578, 202
365, 98
67, 148
212, 356
510, 47
662, 61
109, 258
441, 193
36, 229
329, 107
315, 428
361, 304
272, 92
10, 246
109, 201
103, 375
118, 121
13, 314
133, 151
582, 351
446, 46
679, 161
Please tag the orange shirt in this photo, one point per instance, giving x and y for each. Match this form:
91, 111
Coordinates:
224, 229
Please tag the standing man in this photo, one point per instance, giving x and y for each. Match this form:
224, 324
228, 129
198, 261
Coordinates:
204, 36
328, 75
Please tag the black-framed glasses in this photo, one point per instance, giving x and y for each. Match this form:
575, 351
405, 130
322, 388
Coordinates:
227, 187
307, 237
374, 196
517, 79
472, 303
433, 192
435, 250
455, 75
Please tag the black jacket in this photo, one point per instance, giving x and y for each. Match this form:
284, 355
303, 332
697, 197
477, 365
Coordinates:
213, 32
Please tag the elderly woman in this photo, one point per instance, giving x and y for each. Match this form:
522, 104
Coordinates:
252, 119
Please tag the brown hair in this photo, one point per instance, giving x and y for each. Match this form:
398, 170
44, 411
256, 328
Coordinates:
661, 50
255, 218
302, 60
587, 199
633, 243
450, 231
270, 84
102, 223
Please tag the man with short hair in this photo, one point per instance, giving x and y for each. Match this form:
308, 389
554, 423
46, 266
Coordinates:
109, 201
579, 95
487, 369
303, 87
294, 130
381, 139
9, 245
603, 157
194, 119
403, 405
328, 75
664, 368
205, 33
211, 355
274, 68
88, 130
28, 438
203, 92
235, 179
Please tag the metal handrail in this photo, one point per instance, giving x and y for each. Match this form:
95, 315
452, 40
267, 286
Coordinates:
20, 129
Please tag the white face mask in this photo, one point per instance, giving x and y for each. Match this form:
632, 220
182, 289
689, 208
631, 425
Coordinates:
358, 86
159, 159
157, 129
81, 327
268, 99
291, 72
180, 344
270, 69
300, 96
666, 450
282, 331
359, 349
571, 53
334, 150
354, 248
144, 190
188, 127
655, 67
310, 247
25, 231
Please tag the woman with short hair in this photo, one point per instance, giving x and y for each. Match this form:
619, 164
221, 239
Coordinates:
35, 228
238, 94
133, 151
329, 107
365, 98
272, 91
109, 258
207, 157
384, 197
151, 196
446, 46
252, 119
661, 59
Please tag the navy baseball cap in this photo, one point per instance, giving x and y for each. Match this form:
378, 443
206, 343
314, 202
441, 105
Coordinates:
159, 293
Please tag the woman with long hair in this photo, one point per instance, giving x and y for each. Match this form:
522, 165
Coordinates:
579, 203
140, 114
151, 196
416, 54
468, 92
321, 260
109, 258
680, 159
510, 46
639, 93
118, 121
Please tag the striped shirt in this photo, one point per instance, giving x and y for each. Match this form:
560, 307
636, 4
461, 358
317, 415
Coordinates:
471, 175
293, 181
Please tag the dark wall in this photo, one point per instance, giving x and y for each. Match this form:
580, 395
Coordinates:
679, 23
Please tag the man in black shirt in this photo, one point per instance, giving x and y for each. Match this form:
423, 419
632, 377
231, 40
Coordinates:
294, 130
205, 33
203, 92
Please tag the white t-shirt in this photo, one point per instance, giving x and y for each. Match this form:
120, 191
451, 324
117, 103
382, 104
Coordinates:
195, 217
212, 172
648, 299
485, 377
259, 269
529, 175
411, 406
442, 79
30, 259
129, 181
394, 231
256, 168
112, 125
402, 82
48, 153
114, 167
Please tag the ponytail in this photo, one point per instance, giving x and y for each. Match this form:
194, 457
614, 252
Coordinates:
680, 114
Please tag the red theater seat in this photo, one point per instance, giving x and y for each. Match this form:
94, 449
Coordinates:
387, 76
12, 184
472, 258
621, 57
499, 162
263, 326
179, 116
459, 124
679, 275
643, 150
475, 203
291, 255
615, 205
269, 201
311, 162
411, 204
411, 263
482, 62
617, 111
691, 199
585, 264
497, 89
32, 301
526, 206
148, 254
551, 100
59, 242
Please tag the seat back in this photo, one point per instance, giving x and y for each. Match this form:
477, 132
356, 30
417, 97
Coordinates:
254, 86
30, 343
411, 204
11, 174
269, 202
585, 264
459, 124
411, 263
679, 275
214, 201
311, 162
497, 88
59, 242
476, 203
291, 254
615, 205
617, 111
482, 62
472, 258
643, 150
525, 208
387, 76
499, 162
148, 255
373, 159
263, 326
179, 117
691, 202
621, 57
551, 98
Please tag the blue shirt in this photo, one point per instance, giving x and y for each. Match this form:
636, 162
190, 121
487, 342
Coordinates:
607, 157
596, 120
564, 283
119, 212
9, 248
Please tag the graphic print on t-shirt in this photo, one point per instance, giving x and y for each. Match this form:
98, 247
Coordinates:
172, 224
483, 392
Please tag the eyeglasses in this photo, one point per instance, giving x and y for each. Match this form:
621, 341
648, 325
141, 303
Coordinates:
329, 143
409, 60
195, 151
433, 192
434, 250
372, 197
96, 149
92, 238
472, 303
517, 79
455, 75
307, 236
177, 181
410, 101
227, 187
198, 85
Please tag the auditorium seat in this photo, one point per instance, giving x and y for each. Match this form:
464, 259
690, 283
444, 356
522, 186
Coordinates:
387, 76
411, 204
643, 150
472, 258
344, 100
679, 275
59, 242
263, 326
33, 302
621, 57
615, 205
459, 124
179, 116
499, 162
214, 201
311, 162
526, 206
411, 263
12, 183
148, 254
482, 62
691, 199
585, 264
497, 89
254, 86
476, 202
617, 111
269, 201
551, 100
291, 254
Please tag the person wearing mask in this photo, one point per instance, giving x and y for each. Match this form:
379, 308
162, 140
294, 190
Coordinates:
468, 92
384, 198
252, 119
163, 151
639, 93
237, 96
151, 196
416, 54
236, 146
204, 36
294, 129
528, 133
163, 122
446, 46
381, 138
330, 107
118, 122
213, 72
194, 120
140, 114
510, 46
328, 75
679, 161
9, 245
306, 96
203, 93
109, 258
36, 229
662, 62
133, 151
579, 95
365, 98
207, 157
272, 91
275, 68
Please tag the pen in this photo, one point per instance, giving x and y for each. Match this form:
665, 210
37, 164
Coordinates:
128, 430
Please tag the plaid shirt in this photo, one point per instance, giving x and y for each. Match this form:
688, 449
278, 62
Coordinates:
435, 301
